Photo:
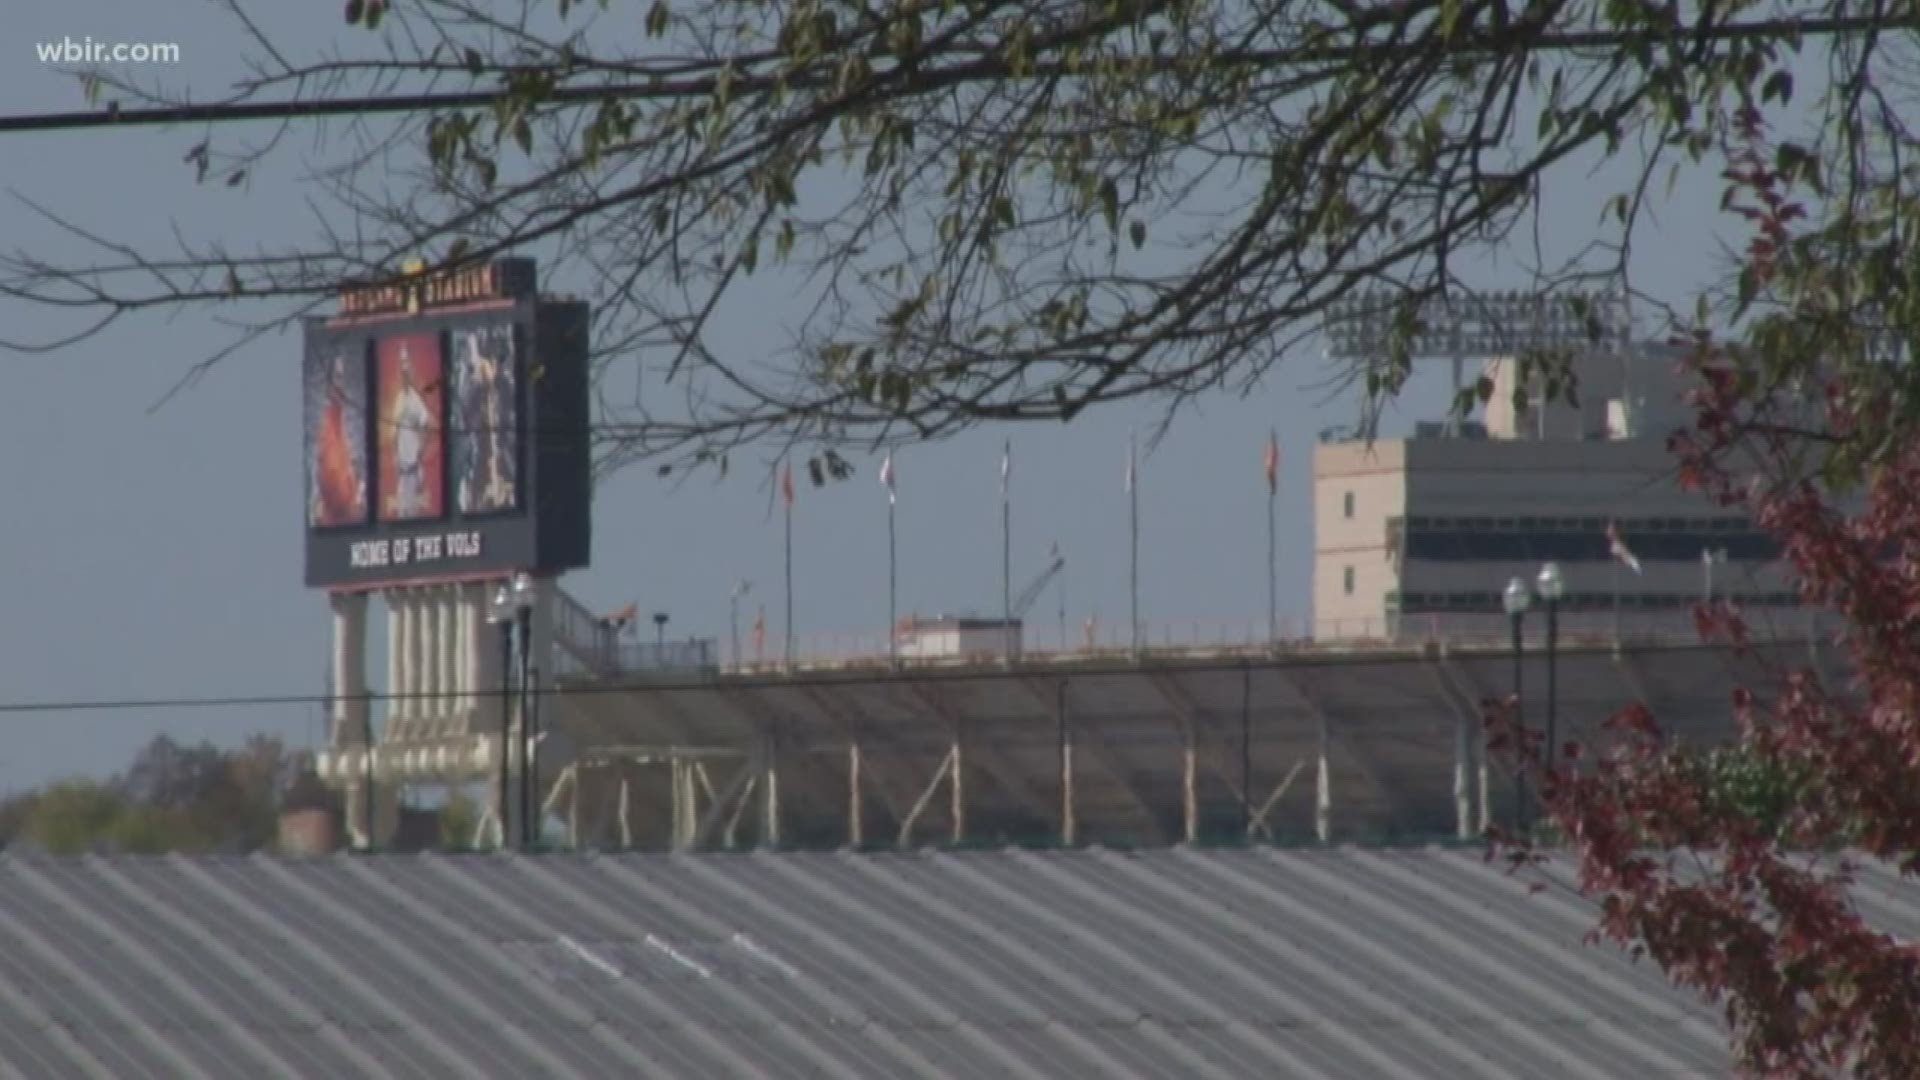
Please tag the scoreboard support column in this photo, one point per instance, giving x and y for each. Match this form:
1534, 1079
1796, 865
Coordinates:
352, 722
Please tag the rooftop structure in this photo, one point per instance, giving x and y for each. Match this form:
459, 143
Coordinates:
1426, 531
1185, 962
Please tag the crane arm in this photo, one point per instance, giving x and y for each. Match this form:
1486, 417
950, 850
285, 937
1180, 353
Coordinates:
1032, 592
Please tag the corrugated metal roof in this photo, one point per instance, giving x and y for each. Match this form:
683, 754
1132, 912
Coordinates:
1171, 963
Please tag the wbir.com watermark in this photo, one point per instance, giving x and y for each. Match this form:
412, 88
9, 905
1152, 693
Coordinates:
88, 51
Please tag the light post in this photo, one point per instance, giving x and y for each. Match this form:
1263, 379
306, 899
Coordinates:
523, 605
1516, 600
660, 631
1552, 587
740, 588
511, 612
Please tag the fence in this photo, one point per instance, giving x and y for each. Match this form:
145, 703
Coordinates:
611, 656
1216, 637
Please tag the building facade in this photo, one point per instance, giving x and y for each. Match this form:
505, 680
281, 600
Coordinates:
1420, 536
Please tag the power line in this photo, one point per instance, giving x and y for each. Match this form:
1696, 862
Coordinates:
966, 70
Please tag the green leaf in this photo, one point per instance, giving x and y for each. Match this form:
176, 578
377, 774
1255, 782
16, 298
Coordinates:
523, 135
1778, 85
1139, 231
1110, 202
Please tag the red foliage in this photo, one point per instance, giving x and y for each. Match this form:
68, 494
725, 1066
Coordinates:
1750, 913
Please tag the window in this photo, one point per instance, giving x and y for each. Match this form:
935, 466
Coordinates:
1349, 574
1349, 514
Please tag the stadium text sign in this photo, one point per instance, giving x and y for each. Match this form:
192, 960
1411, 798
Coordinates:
412, 550
418, 289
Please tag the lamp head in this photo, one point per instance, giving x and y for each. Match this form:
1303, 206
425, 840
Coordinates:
1552, 585
1516, 599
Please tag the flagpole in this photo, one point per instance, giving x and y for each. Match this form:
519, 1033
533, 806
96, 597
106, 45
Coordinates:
1133, 516
1063, 610
893, 575
788, 489
1006, 549
1273, 572
1616, 601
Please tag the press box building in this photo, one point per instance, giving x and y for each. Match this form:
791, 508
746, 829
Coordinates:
1419, 536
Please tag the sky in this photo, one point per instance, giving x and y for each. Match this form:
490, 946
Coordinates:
155, 553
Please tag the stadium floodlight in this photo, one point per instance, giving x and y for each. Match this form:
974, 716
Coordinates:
1516, 599
1363, 326
1552, 585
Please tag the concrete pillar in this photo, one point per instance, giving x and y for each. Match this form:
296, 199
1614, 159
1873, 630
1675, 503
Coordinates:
349, 668
446, 649
1323, 786
770, 829
395, 636
486, 668
406, 682
351, 715
1189, 790
426, 670
465, 656
957, 783
855, 834
1463, 778
386, 813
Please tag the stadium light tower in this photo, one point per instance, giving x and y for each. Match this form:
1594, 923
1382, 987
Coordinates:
1553, 587
512, 611
1362, 327
1516, 600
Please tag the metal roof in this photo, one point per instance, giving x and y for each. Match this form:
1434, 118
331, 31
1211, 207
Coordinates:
1098, 963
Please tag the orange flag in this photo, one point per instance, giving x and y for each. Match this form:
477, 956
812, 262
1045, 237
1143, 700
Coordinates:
786, 485
622, 620
1272, 463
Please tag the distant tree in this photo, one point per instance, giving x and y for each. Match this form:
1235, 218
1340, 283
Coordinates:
73, 817
171, 798
208, 796
1729, 866
459, 817
15, 811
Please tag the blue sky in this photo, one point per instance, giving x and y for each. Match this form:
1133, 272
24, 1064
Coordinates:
153, 554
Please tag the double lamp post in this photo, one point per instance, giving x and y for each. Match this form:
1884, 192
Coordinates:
1517, 599
512, 612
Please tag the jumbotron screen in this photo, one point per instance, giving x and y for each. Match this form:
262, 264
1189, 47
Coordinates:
418, 411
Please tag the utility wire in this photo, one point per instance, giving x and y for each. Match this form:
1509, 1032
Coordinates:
966, 69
